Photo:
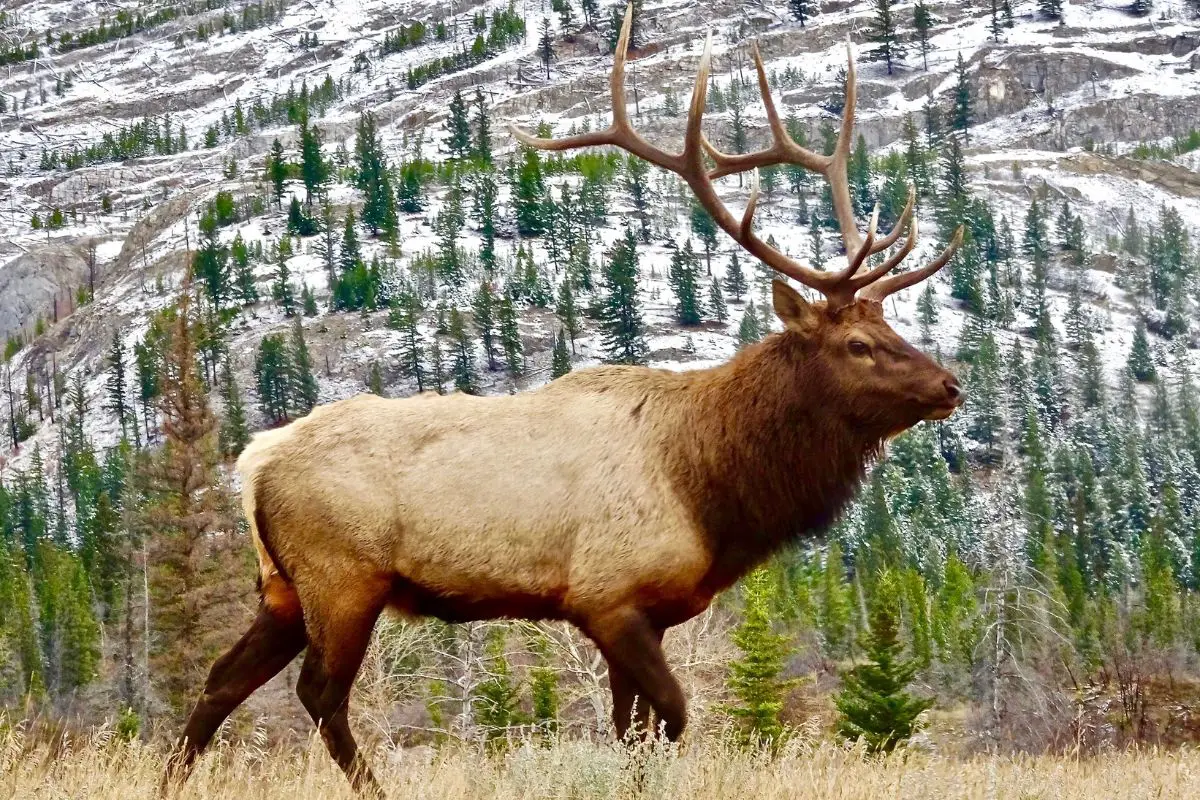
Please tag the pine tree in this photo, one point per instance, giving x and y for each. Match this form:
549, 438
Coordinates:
404, 317
118, 386
210, 264
482, 147
314, 170
923, 23
483, 311
873, 703
750, 328
529, 195
637, 172
620, 312
235, 432
510, 337
375, 379
705, 227
282, 290
485, 206
1141, 363
277, 171
735, 279
560, 362
304, 382
567, 312
755, 677
273, 370
458, 128
800, 10
545, 48
685, 284
961, 112
244, 287
437, 365
716, 301
463, 369
883, 32
1051, 9
833, 602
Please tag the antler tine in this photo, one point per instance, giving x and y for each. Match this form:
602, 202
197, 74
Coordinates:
620, 133
881, 289
782, 150
901, 225
892, 262
853, 262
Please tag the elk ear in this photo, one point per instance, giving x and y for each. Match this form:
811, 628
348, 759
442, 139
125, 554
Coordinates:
791, 307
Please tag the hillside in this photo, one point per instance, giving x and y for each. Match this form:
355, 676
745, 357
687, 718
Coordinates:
138, 142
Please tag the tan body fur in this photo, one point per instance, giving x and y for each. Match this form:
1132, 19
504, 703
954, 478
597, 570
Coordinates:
552, 503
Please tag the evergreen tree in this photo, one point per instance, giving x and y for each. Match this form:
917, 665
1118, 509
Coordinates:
484, 314
529, 195
545, 48
314, 170
482, 148
873, 703
1051, 9
235, 431
118, 386
458, 128
636, 173
883, 32
405, 317
620, 312
244, 287
282, 290
485, 206
304, 382
210, 265
560, 361
923, 23
463, 369
735, 279
755, 677
705, 227
716, 301
273, 370
750, 329
510, 337
1141, 363
685, 284
800, 10
277, 171
961, 112
567, 312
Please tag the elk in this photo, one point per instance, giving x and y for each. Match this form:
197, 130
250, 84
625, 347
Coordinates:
621, 499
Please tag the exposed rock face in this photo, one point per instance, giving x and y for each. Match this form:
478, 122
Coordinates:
30, 283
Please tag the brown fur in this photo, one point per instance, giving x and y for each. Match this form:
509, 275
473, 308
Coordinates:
619, 498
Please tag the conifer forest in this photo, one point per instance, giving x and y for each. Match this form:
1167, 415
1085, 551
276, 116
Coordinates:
218, 215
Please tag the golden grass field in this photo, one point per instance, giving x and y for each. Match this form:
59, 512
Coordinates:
581, 770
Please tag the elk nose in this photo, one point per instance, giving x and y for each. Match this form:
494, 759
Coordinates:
954, 391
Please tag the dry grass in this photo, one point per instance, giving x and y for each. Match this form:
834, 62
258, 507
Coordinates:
105, 771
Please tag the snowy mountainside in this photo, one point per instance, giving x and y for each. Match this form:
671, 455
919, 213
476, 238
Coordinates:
1060, 111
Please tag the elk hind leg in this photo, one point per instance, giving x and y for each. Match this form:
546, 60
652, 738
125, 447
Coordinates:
338, 639
275, 638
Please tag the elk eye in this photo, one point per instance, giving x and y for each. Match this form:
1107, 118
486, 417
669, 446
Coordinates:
859, 348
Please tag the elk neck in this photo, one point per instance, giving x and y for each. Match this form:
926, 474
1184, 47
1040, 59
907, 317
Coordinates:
762, 452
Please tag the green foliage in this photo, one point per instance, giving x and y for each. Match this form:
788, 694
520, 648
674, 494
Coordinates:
873, 704
620, 310
755, 677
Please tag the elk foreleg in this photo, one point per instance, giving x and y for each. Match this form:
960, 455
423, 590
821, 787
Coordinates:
632, 646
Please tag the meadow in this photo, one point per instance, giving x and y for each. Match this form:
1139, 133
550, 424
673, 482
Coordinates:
103, 769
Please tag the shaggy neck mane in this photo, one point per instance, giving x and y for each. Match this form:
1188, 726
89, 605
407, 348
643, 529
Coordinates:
762, 452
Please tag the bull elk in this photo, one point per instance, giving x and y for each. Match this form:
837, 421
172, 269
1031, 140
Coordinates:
621, 499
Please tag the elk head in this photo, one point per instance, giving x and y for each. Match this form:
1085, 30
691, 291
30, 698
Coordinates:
844, 342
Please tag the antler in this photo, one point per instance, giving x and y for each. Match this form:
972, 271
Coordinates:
839, 287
